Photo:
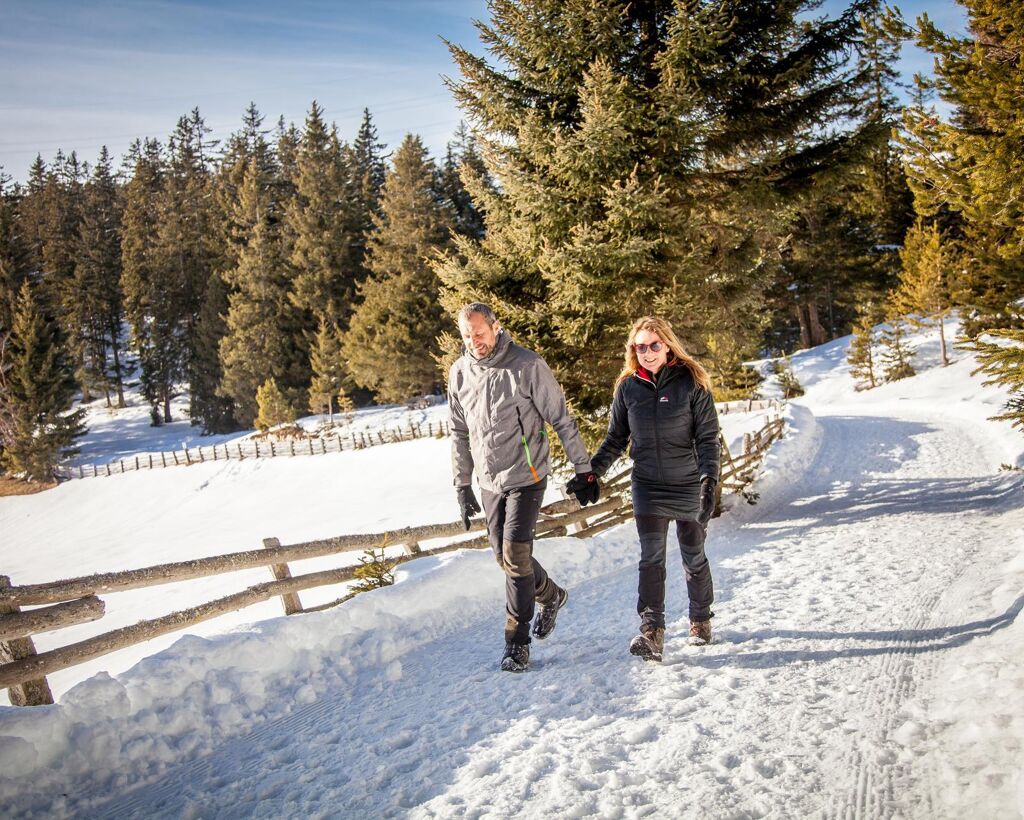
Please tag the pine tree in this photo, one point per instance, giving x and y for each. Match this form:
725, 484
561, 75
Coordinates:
186, 239
318, 221
641, 153
971, 164
463, 158
896, 355
262, 339
61, 213
1003, 363
328, 370
213, 411
36, 391
861, 355
922, 294
15, 257
391, 342
274, 408
31, 210
788, 382
248, 145
151, 297
368, 170
93, 298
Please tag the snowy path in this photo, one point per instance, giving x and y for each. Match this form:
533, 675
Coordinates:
844, 598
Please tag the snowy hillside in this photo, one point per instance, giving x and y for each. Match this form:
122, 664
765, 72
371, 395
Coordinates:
866, 663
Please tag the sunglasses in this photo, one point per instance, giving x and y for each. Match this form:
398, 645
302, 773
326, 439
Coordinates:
655, 347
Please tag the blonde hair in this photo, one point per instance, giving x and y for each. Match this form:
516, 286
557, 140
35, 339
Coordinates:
677, 353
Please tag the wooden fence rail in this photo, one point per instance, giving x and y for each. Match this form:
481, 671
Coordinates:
313, 446
72, 601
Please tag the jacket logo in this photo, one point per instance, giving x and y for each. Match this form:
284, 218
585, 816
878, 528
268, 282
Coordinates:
663, 399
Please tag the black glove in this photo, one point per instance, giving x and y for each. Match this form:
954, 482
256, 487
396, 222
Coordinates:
468, 504
585, 487
707, 501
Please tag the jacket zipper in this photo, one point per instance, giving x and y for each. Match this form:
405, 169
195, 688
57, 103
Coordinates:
657, 438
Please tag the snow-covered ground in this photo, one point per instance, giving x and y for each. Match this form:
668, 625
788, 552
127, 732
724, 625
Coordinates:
867, 660
115, 433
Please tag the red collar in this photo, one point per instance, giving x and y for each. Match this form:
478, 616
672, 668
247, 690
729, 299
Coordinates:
645, 375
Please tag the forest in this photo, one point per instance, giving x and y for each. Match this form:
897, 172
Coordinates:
755, 173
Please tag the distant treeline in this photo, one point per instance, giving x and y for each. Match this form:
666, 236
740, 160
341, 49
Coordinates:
746, 170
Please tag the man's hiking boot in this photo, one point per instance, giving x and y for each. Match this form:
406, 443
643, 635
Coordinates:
649, 644
700, 633
544, 623
516, 657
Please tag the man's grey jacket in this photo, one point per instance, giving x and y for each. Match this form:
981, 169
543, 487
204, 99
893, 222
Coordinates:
497, 402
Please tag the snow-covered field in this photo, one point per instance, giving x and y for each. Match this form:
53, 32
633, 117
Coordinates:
867, 660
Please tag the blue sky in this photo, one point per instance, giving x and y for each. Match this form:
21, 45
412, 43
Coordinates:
76, 74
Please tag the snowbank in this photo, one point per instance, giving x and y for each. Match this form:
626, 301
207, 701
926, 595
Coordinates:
114, 733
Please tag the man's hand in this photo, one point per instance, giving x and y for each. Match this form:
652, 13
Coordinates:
468, 504
585, 487
707, 502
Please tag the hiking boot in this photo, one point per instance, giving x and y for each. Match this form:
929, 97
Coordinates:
544, 623
700, 633
649, 644
516, 657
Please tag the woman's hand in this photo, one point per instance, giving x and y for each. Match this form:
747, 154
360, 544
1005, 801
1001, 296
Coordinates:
707, 502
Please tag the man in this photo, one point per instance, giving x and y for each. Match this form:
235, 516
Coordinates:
499, 396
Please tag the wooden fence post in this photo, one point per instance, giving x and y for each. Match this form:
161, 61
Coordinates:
290, 600
33, 692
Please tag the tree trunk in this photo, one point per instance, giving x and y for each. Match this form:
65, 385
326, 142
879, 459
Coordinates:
118, 378
942, 339
811, 331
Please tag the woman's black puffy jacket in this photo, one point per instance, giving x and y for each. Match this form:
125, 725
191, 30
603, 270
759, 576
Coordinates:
672, 425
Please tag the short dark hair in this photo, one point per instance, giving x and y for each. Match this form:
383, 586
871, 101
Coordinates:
469, 309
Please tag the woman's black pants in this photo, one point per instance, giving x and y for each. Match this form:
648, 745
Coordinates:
653, 532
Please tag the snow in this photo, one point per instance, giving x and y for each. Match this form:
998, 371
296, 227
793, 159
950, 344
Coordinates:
866, 661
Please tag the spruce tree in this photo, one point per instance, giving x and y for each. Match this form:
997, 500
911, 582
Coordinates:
1002, 360
641, 153
249, 144
36, 391
319, 219
391, 344
367, 170
15, 257
462, 158
922, 295
186, 239
895, 355
61, 214
31, 212
970, 164
151, 296
861, 356
274, 407
93, 298
329, 370
212, 410
263, 338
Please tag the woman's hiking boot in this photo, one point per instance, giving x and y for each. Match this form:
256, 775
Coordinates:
649, 644
544, 623
700, 633
516, 657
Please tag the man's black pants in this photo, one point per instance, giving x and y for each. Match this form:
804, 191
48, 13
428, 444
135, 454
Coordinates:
511, 524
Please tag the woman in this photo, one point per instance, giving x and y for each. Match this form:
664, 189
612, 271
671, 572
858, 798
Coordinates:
663, 404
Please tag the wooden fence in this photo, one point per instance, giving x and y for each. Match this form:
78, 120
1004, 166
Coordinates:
74, 601
316, 445
257, 448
